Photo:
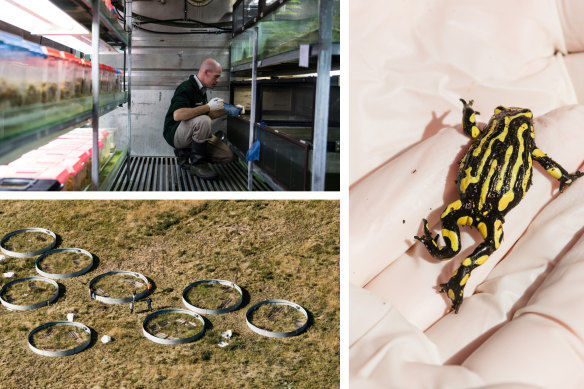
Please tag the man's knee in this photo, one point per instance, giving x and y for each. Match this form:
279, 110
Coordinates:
201, 128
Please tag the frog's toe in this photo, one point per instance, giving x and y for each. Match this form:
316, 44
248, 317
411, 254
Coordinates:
427, 239
566, 181
455, 294
469, 104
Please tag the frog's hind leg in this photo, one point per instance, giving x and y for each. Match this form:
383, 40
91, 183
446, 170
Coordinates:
452, 216
469, 120
454, 288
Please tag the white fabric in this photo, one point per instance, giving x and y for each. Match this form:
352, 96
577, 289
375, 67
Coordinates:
402, 332
575, 67
411, 63
571, 14
522, 319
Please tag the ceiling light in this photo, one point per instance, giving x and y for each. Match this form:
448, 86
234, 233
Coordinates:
39, 17
42, 17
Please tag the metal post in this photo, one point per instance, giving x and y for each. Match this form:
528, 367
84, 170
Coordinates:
128, 14
321, 109
95, 87
252, 115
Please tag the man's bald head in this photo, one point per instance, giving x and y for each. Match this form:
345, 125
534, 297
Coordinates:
209, 73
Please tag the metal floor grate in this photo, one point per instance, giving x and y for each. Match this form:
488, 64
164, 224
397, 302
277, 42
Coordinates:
164, 174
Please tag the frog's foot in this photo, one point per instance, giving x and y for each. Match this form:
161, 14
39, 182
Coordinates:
454, 291
469, 105
429, 241
567, 179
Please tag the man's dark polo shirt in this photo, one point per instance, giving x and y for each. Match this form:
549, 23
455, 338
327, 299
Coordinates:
187, 95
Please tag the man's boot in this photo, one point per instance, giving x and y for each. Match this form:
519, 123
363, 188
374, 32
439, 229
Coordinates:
199, 167
183, 158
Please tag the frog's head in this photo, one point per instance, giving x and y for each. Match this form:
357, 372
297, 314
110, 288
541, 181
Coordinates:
513, 111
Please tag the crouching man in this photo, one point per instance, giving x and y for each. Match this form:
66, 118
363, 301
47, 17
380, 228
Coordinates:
187, 125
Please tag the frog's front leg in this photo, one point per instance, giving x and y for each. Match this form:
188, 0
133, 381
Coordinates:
450, 232
555, 169
469, 120
454, 288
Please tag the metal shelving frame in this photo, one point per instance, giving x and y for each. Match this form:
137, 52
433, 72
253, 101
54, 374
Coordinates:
98, 19
323, 51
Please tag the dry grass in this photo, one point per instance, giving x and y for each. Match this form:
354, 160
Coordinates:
272, 249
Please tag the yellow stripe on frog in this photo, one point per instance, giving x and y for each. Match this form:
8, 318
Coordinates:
487, 184
451, 207
504, 168
453, 238
508, 197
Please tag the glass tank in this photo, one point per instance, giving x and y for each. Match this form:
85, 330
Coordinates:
288, 104
292, 24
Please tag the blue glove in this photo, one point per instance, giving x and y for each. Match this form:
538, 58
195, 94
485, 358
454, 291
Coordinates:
232, 110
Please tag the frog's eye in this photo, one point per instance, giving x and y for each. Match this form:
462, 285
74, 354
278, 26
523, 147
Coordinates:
499, 109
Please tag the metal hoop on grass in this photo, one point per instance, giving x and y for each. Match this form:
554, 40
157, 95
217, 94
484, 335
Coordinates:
16, 307
27, 254
64, 275
109, 300
173, 341
272, 334
212, 311
60, 353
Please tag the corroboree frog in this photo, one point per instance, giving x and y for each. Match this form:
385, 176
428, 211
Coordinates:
493, 176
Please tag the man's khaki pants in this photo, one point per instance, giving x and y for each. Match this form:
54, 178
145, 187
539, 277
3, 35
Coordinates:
198, 129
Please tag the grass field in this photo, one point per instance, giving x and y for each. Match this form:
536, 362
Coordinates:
272, 249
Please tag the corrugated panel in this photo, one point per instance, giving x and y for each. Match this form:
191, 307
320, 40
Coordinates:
164, 174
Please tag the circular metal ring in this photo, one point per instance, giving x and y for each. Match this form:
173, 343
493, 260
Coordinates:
27, 254
40, 304
60, 353
109, 300
173, 341
63, 275
212, 311
272, 334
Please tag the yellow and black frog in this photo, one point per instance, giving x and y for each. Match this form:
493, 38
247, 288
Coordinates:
493, 176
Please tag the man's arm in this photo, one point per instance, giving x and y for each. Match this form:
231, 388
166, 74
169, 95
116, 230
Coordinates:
189, 113
216, 114
214, 108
